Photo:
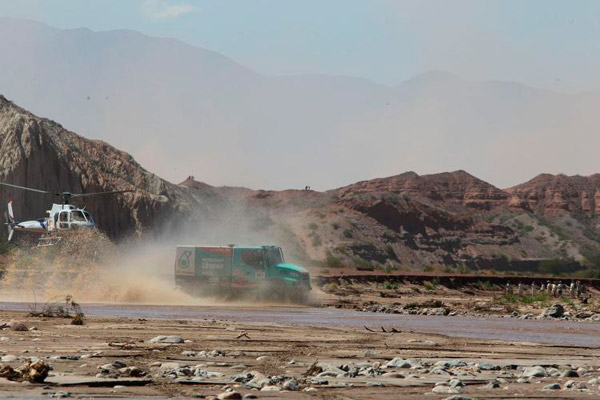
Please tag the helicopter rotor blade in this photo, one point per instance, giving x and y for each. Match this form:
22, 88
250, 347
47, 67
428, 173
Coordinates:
99, 193
26, 188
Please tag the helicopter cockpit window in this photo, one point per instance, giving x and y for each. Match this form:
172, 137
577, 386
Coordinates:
63, 218
88, 216
77, 216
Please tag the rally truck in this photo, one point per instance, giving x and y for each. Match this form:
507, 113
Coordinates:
257, 271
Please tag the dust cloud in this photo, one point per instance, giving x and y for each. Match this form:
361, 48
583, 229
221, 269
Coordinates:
88, 266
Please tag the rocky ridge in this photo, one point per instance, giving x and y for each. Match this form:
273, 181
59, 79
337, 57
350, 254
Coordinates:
41, 154
408, 220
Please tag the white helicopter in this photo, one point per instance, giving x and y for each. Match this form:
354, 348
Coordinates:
60, 217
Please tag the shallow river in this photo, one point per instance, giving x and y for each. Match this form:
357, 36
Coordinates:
508, 329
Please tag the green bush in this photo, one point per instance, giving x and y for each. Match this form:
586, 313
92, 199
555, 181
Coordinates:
389, 267
431, 285
348, 233
540, 297
462, 269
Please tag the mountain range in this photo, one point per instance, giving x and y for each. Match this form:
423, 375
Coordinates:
183, 110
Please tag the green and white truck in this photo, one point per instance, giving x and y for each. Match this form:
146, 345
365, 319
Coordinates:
258, 271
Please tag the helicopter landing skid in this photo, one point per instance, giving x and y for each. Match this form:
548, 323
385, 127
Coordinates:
48, 241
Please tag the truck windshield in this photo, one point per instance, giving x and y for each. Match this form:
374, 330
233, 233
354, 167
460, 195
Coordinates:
275, 256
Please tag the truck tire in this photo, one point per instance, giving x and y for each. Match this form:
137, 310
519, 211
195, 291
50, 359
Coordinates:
274, 293
300, 296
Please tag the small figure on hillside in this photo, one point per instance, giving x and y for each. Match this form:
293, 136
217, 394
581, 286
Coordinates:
543, 288
553, 290
572, 290
549, 287
520, 289
533, 288
508, 289
559, 289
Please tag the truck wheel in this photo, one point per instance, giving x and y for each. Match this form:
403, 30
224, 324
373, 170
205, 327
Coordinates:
274, 294
300, 296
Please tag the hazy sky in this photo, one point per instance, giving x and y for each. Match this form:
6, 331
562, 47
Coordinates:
546, 43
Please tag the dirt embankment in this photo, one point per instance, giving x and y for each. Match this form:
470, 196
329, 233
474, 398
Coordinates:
481, 296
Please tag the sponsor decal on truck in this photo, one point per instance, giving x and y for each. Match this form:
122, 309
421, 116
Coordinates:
186, 262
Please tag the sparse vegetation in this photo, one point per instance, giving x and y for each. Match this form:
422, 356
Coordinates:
485, 285
389, 268
316, 241
462, 269
335, 225
332, 261
556, 266
312, 226
560, 233
390, 253
5, 248
543, 298
431, 285
348, 233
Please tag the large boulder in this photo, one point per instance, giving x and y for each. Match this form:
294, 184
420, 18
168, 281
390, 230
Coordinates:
557, 310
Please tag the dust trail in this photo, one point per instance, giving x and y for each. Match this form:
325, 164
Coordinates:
91, 268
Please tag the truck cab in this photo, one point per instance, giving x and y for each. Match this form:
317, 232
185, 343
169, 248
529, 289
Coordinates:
260, 270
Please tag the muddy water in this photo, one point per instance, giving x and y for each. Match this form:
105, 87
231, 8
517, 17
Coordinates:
508, 329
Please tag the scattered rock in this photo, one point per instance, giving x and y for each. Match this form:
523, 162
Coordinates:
555, 311
170, 366
488, 367
569, 373
291, 385
402, 363
536, 371
552, 386
61, 395
17, 326
444, 389
454, 383
230, 396
167, 339
270, 388
492, 385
